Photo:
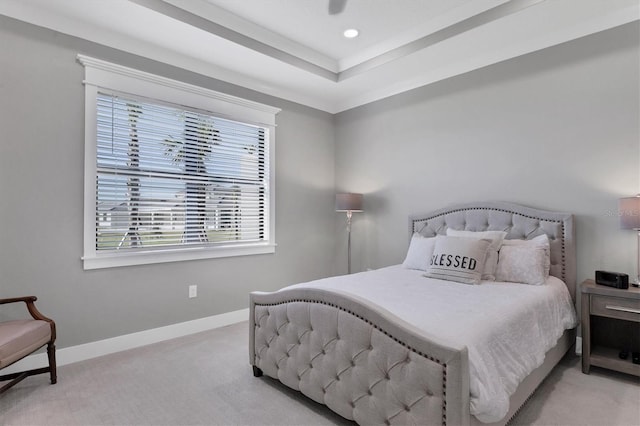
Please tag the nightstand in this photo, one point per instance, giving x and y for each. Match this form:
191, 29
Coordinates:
610, 323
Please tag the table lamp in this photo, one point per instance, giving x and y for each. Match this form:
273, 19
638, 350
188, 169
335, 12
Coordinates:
629, 211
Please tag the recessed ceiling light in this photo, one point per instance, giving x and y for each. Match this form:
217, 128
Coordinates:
351, 33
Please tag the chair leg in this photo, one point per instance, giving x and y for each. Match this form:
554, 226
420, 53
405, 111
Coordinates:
51, 352
15, 379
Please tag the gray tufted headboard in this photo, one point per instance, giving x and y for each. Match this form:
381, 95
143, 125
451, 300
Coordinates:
517, 220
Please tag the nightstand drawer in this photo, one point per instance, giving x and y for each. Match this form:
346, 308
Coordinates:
615, 307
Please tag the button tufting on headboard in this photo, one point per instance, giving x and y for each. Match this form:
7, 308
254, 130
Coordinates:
520, 222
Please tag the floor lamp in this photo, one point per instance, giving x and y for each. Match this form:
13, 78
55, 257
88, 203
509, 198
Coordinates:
349, 203
629, 211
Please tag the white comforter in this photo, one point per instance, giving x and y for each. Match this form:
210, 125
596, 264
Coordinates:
507, 327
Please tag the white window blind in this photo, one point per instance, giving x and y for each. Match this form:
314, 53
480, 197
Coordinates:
166, 179
168, 176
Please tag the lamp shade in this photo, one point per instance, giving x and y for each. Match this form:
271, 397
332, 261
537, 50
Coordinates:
349, 202
629, 211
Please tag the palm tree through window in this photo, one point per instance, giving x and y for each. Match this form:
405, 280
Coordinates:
173, 177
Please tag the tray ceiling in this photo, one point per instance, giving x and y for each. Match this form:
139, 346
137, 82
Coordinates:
294, 49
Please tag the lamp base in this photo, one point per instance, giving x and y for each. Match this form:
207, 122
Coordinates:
637, 282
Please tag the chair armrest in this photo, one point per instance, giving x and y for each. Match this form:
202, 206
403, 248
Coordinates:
18, 299
35, 313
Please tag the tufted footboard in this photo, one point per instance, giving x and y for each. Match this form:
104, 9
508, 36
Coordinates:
359, 360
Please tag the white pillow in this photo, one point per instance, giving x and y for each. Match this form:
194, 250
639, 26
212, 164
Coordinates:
523, 263
458, 259
539, 241
419, 253
491, 262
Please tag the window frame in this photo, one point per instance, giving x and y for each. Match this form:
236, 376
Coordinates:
104, 75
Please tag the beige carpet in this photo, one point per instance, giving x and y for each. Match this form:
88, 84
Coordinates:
205, 379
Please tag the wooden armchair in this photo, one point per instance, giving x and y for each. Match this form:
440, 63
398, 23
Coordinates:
19, 338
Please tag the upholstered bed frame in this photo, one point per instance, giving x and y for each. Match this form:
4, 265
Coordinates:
330, 345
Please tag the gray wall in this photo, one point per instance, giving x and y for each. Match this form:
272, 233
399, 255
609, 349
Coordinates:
41, 190
556, 129
535, 130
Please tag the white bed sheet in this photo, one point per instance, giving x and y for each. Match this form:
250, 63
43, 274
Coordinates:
507, 327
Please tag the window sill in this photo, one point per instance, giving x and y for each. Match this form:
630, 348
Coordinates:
113, 260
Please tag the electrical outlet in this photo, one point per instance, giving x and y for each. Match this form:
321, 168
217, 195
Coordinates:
193, 291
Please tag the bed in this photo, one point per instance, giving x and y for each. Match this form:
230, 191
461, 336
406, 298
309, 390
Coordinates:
364, 351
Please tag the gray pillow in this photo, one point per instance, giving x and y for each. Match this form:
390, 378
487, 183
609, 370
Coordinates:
458, 259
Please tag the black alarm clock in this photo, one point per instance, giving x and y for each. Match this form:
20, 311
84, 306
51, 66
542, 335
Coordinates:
612, 279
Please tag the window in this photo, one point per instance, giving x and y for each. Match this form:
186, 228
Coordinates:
165, 181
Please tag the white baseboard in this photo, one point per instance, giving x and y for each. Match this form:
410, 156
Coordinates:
578, 345
129, 341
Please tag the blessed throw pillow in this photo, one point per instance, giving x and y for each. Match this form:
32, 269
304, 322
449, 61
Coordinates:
419, 253
541, 241
458, 259
491, 262
522, 264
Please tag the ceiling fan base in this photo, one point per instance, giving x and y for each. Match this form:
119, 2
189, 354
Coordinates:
337, 6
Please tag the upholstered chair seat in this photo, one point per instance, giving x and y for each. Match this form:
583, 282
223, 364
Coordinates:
19, 338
